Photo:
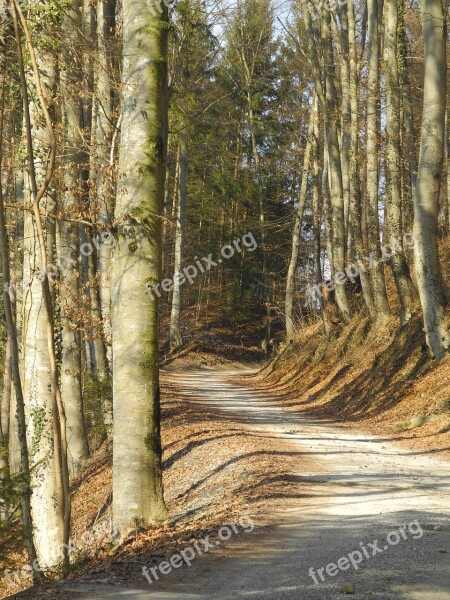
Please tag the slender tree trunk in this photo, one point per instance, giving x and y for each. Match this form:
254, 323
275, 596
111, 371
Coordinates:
316, 205
137, 477
335, 171
327, 98
103, 132
400, 267
6, 397
175, 336
426, 199
37, 383
342, 47
381, 304
46, 428
98, 346
71, 388
327, 208
356, 196
296, 235
407, 111
13, 351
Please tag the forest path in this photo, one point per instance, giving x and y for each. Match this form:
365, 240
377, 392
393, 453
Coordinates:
360, 489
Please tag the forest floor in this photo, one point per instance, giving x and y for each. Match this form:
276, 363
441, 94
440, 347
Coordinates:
316, 490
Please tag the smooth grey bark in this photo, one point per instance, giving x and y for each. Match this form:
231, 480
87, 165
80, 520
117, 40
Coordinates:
101, 367
316, 204
50, 501
335, 171
407, 109
136, 263
355, 189
426, 199
103, 133
327, 98
341, 39
71, 385
296, 233
399, 264
175, 336
327, 208
6, 404
16, 295
13, 347
381, 304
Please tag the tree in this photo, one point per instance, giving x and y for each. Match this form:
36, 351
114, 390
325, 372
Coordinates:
102, 164
400, 267
326, 92
175, 336
46, 427
296, 234
136, 262
78, 449
381, 304
426, 199
27, 519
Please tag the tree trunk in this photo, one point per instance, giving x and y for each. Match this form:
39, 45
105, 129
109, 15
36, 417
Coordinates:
6, 403
356, 197
342, 48
296, 235
103, 132
393, 162
426, 199
316, 204
71, 388
381, 304
335, 171
137, 477
175, 336
37, 387
12, 355
46, 427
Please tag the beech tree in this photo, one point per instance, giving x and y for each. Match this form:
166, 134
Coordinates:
426, 199
136, 263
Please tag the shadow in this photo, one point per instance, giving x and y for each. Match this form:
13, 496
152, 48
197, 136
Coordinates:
290, 560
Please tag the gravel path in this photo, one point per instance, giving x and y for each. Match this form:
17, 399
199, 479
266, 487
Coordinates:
367, 496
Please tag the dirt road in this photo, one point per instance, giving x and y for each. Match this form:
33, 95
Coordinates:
376, 520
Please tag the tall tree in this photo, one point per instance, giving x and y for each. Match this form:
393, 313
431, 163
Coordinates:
27, 519
250, 50
434, 15
381, 304
137, 477
46, 427
71, 390
326, 91
399, 264
356, 208
175, 336
104, 130
296, 233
